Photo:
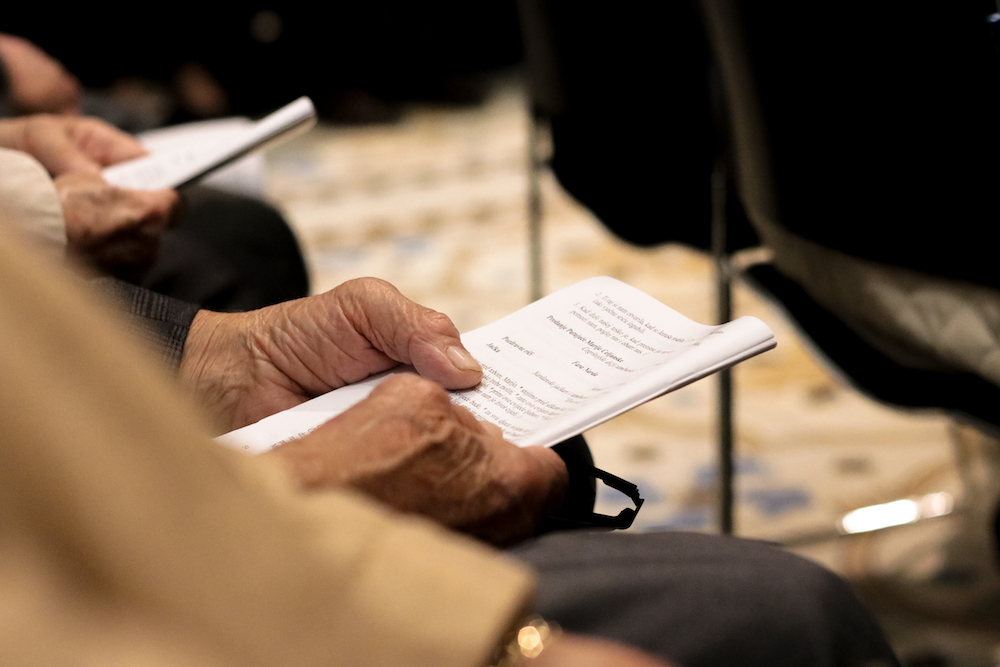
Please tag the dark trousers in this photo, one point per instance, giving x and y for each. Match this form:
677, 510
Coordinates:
703, 600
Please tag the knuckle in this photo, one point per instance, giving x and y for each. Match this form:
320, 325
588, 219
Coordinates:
423, 399
421, 391
420, 407
438, 321
367, 286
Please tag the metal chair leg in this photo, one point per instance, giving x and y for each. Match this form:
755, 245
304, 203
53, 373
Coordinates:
534, 210
724, 313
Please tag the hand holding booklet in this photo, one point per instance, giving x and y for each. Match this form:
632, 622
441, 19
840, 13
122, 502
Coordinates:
558, 366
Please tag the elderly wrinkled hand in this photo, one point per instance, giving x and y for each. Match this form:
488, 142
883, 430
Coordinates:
115, 230
409, 446
246, 366
66, 144
406, 444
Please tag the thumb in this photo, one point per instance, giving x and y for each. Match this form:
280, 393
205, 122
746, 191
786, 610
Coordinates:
409, 333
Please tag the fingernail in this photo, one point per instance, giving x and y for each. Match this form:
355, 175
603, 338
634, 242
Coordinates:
462, 360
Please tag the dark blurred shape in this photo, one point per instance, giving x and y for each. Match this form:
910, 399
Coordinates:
264, 56
132, 104
266, 26
228, 253
629, 93
870, 128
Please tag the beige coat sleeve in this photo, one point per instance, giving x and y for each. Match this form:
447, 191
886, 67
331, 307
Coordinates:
29, 202
128, 537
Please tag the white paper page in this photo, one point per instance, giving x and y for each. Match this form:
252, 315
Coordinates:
179, 164
245, 176
566, 363
181, 136
561, 365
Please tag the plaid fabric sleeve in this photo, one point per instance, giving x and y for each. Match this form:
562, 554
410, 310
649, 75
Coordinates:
161, 320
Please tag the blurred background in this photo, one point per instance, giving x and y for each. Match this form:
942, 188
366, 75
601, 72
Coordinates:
441, 123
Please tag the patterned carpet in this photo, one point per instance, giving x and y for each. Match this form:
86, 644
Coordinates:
437, 205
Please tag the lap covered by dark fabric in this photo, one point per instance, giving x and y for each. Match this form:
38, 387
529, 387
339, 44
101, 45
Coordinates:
698, 600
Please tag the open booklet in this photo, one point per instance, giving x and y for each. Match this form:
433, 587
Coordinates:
191, 157
559, 366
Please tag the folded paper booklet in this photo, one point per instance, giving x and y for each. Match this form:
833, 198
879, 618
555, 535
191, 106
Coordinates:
559, 366
192, 157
